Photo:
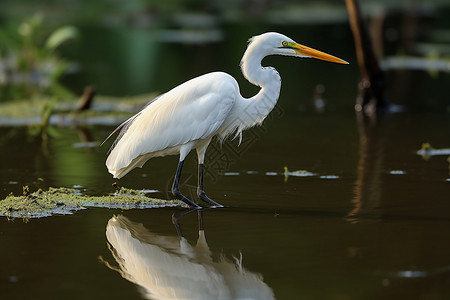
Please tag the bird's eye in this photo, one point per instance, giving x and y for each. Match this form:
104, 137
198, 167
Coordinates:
284, 43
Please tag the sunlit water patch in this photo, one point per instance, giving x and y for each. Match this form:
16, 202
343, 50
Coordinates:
397, 172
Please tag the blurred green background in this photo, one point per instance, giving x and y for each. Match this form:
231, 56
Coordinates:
140, 47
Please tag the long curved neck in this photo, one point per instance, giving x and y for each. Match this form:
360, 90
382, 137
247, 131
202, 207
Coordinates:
260, 105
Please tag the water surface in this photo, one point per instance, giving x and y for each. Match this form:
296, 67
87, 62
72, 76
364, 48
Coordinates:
372, 222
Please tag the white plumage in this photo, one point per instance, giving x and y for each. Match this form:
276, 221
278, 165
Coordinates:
190, 115
185, 116
170, 268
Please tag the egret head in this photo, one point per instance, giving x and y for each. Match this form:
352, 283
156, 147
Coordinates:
275, 43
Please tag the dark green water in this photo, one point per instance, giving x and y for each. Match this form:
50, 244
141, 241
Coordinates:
371, 222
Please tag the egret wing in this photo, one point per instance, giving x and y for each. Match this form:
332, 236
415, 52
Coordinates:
124, 127
190, 112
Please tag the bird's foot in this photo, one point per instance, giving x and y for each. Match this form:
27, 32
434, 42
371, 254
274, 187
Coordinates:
183, 198
202, 195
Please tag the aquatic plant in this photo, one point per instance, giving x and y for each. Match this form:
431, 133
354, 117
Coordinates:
67, 200
29, 64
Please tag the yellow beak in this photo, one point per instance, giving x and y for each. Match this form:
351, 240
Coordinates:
306, 51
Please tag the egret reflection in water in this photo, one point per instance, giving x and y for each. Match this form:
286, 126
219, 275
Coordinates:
168, 267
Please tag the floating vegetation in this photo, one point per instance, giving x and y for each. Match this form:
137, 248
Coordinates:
299, 173
67, 200
427, 151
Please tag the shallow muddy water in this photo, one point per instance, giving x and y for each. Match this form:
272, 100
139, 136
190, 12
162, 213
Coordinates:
369, 219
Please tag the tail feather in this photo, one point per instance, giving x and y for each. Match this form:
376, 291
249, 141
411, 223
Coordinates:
124, 126
123, 129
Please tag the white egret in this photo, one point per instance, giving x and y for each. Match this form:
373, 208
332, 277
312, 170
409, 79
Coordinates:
190, 115
169, 267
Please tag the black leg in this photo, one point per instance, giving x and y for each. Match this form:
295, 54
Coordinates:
176, 191
176, 216
200, 192
200, 219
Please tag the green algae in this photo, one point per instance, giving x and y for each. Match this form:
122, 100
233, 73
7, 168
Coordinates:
428, 151
67, 200
298, 173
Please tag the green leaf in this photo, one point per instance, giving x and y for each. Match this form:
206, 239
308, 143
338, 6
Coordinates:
60, 36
